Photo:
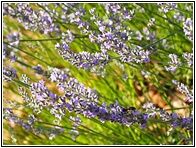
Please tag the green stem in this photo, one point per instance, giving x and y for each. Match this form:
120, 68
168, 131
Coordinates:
108, 127
161, 39
28, 54
24, 64
50, 39
21, 83
107, 137
40, 40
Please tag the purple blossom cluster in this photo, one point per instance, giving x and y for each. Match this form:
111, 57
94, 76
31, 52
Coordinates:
175, 121
8, 53
150, 36
83, 100
14, 119
139, 35
179, 16
9, 73
75, 132
150, 109
135, 55
83, 59
76, 16
13, 39
173, 64
30, 18
68, 37
117, 9
42, 95
41, 98
188, 57
185, 90
166, 7
38, 69
29, 125
188, 28
113, 34
113, 113
173, 118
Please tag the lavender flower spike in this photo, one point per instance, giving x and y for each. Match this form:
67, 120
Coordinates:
83, 59
188, 28
185, 90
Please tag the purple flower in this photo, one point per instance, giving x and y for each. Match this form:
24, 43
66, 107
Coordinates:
92, 11
143, 126
77, 121
38, 69
102, 28
166, 7
32, 19
139, 37
185, 90
67, 38
42, 96
134, 55
179, 16
69, 106
13, 39
149, 35
102, 110
188, 28
13, 58
145, 117
83, 59
109, 35
58, 75
19, 122
174, 64
174, 116
188, 57
12, 120
8, 73
176, 121
123, 120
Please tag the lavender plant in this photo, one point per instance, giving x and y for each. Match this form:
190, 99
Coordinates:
98, 73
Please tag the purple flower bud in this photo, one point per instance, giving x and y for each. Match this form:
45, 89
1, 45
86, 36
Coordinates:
174, 63
174, 116
143, 126
12, 120
8, 73
38, 69
13, 39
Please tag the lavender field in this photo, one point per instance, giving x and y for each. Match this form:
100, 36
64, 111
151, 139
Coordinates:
97, 73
